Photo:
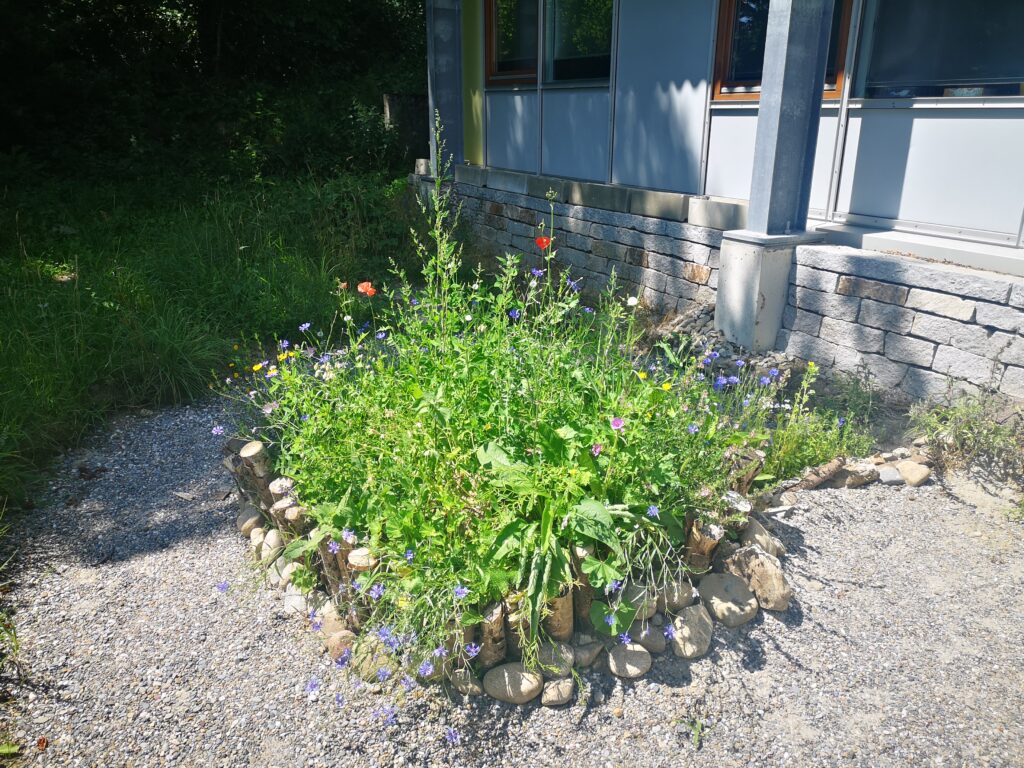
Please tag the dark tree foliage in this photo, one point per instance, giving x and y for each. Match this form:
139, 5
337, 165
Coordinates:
233, 75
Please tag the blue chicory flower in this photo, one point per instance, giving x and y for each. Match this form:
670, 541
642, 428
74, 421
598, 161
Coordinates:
625, 639
426, 669
460, 592
653, 511
693, 429
452, 736
472, 650
304, 327
515, 314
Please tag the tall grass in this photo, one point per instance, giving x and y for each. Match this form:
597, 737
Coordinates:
132, 291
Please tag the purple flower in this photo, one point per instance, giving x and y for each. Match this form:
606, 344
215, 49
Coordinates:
615, 586
304, 417
304, 327
609, 619
460, 592
452, 736
414, 301
595, 449
617, 423
383, 674
740, 363
217, 430
842, 422
343, 659
409, 555
334, 547
313, 685
773, 372
381, 335
706, 361
377, 591
589, 310
653, 511
714, 355
537, 272
733, 380
339, 700
515, 314
426, 669
324, 359
693, 429
316, 625
222, 586
348, 535
764, 381
719, 383
472, 649
408, 683
625, 639
670, 632
700, 377
284, 344
574, 285
386, 713
440, 652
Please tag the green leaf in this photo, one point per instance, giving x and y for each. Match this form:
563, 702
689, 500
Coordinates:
492, 455
621, 617
601, 573
508, 540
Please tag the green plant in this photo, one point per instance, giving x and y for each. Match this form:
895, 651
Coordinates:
496, 439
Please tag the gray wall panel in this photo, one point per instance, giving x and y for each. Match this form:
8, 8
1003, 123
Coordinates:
576, 124
661, 87
512, 119
954, 167
731, 154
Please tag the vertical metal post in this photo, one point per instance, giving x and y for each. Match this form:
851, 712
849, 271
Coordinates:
839, 150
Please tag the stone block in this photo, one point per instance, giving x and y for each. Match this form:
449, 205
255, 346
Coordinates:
472, 175
807, 347
681, 289
679, 230
1017, 296
660, 244
794, 319
828, 304
963, 365
1012, 383
1011, 348
940, 304
999, 316
845, 334
905, 270
616, 234
922, 384
883, 372
618, 252
713, 278
888, 317
540, 186
965, 336
872, 289
717, 214
909, 350
507, 181
818, 279
661, 205
607, 196
715, 258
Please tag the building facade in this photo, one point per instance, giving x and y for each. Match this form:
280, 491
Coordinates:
843, 179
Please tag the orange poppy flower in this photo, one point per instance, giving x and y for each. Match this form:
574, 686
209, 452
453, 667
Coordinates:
367, 288
344, 286
543, 242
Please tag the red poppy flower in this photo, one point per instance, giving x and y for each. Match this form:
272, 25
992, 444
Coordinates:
543, 242
344, 286
367, 288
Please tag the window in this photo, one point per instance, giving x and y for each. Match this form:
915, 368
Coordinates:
578, 38
742, 30
511, 41
936, 48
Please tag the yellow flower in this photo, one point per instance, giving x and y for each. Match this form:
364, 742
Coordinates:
667, 386
234, 375
235, 347
231, 365
257, 366
642, 375
281, 357
292, 353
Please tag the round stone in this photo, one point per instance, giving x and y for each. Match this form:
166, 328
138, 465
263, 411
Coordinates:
728, 598
649, 636
692, 632
273, 544
556, 659
249, 518
642, 598
339, 642
629, 660
466, 683
587, 653
557, 692
513, 683
675, 596
361, 560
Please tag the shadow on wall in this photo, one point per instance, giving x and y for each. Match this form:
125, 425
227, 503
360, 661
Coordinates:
880, 145
512, 120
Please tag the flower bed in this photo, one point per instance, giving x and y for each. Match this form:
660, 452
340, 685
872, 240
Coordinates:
492, 470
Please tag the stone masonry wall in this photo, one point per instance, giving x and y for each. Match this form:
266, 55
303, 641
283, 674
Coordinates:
917, 327
672, 265
920, 329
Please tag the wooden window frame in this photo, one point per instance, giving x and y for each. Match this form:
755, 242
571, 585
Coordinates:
492, 77
723, 53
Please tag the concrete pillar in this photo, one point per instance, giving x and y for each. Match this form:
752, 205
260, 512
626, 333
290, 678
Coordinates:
756, 262
444, 74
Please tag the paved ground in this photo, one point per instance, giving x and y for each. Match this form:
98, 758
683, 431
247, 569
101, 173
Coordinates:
904, 645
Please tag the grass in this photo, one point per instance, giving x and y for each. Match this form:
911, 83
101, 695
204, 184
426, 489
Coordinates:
131, 289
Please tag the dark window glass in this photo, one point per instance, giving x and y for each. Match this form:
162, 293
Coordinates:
930, 48
515, 37
579, 39
749, 32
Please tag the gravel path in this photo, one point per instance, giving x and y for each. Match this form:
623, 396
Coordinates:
903, 646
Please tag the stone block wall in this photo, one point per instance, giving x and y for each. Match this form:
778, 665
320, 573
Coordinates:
671, 265
919, 328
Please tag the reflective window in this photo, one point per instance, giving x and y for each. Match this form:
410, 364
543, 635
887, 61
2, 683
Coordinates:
935, 48
578, 35
512, 40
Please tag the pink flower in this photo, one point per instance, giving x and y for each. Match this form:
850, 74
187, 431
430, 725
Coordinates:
618, 424
596, 449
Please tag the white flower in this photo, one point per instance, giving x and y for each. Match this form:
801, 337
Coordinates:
533, 283
475, 286
348, 318
632, 301
468, 318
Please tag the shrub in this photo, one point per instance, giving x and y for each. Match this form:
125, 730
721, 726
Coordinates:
496, 438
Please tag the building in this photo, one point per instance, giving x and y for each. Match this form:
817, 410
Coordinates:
843, 179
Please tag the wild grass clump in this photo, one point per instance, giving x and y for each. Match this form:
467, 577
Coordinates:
498, 439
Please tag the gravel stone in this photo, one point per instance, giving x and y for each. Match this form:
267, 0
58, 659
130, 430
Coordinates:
133, 656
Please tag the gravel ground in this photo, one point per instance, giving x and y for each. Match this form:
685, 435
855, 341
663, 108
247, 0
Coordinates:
903, 646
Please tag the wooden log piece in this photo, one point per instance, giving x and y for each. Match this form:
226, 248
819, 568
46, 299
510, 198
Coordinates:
559, 621
701, 543
255, 455
492, 636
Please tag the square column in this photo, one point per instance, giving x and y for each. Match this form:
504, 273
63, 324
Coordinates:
756, 262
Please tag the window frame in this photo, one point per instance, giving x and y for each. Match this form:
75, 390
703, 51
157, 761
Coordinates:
751, 90
491, 76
